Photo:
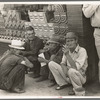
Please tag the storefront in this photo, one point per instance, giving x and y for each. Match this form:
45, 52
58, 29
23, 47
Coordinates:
47, 20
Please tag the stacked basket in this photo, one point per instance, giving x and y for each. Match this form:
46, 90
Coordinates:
2, 27
14, 26
40, 25
60, 22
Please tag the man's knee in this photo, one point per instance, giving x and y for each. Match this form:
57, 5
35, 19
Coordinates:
51, 64
71, 72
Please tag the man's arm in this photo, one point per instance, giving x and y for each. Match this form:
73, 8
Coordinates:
71, 61
82, 58
63, 65
43, 60
89, 9
39, 46
27, 63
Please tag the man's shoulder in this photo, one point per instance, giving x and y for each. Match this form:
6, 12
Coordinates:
82, 49
36, 37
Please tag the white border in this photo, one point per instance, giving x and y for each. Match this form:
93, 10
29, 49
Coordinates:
48, 2
57, 2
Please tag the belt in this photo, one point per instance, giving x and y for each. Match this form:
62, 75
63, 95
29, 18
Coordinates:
97, 27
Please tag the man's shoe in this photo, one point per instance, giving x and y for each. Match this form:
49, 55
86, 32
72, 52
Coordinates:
36, 76
41, 79
61, 87
17, 90
52, 84
71, 92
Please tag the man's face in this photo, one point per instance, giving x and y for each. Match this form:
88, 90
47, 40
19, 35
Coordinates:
17, 51
52, 46
71, 41
30, 34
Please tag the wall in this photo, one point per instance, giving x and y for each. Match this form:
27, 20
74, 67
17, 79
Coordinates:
77, 22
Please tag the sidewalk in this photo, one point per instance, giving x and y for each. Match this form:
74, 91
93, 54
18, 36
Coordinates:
38, 89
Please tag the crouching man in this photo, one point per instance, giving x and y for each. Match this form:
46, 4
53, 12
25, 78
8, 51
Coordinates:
12, 68
51, 52
73, 66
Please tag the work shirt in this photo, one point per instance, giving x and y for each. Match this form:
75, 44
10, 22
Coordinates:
92, 12
10, 70
10, 62
32, 48
80, 58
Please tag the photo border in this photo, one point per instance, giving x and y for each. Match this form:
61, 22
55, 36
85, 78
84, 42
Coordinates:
53, 1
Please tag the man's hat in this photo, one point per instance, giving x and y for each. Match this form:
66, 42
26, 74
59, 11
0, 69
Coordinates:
56, 39
29, 28
17, 44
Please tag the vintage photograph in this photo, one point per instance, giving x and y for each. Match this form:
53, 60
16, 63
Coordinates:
49, 50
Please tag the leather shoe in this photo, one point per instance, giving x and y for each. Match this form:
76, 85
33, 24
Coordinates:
71, 92
52, 84
61, 87
36, 76
17, 90
41, 79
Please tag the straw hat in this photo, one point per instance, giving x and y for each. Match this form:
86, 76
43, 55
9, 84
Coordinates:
17, 44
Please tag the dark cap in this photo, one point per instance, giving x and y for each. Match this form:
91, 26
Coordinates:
56, 39
29, 28
71, 35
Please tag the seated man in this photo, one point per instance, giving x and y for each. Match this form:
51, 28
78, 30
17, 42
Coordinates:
73, 66
12, 68
43, 58
51, 52
32, 46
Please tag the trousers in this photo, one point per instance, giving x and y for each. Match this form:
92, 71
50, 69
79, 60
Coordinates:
14, 79
97, 44
64, 76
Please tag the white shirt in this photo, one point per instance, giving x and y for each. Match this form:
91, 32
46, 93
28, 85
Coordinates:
80, 58
93, 12
42, 56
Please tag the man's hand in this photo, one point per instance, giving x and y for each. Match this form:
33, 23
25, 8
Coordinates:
27, 63
65, 50
23, 62
52, 57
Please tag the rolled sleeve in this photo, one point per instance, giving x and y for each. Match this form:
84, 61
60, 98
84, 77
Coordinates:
89, 10
80, 61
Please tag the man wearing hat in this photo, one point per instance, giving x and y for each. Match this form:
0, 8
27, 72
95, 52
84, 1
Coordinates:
73, 66
12, 68
52, 52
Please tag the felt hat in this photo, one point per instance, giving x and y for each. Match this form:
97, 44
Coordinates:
17, 44
29, 28
58, 39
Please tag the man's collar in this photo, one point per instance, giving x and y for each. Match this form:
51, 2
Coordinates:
77, 48
33, 39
